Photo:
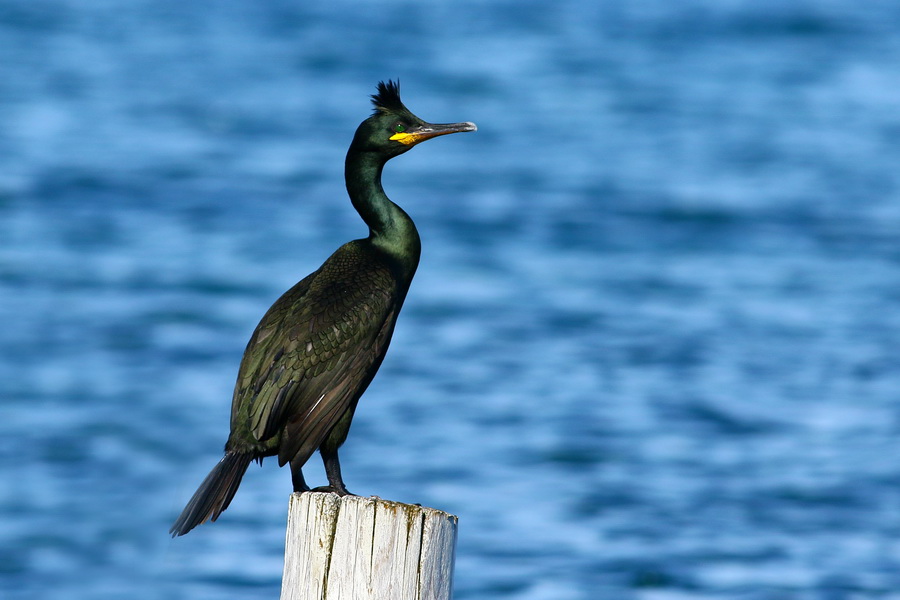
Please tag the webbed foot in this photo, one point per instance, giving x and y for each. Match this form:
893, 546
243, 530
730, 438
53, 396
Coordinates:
330, 489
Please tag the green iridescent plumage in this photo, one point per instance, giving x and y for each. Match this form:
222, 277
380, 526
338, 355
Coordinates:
316, 350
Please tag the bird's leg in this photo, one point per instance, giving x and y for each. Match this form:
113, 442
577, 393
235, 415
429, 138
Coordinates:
297, 477
329, 452
333, 471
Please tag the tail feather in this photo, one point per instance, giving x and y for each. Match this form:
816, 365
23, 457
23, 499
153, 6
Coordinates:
214, 494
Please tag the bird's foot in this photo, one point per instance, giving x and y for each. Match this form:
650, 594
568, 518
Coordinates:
330, 489
299, 483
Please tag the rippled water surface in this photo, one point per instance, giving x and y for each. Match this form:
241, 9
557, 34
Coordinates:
651, 351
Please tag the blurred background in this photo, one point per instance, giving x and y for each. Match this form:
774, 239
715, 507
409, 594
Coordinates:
651, 349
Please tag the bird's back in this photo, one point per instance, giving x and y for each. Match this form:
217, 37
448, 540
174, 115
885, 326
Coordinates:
314, 353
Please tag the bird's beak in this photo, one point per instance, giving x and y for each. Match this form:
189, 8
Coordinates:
420, 133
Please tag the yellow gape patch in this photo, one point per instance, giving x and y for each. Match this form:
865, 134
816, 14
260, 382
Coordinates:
405, 138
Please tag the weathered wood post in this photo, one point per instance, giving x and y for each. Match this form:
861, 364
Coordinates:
355, 548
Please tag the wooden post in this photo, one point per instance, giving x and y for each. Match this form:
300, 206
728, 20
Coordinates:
355, 548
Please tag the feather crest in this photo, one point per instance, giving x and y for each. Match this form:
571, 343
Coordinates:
388, 97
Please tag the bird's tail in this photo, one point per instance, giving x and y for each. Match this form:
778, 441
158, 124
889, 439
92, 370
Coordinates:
214, 494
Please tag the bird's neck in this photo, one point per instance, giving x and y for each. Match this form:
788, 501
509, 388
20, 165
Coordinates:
390, 228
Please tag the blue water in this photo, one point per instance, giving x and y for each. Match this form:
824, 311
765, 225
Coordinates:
651, 351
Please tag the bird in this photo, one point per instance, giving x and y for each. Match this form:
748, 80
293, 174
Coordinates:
318, 347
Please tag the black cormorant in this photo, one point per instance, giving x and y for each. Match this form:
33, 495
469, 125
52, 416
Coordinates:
318, 347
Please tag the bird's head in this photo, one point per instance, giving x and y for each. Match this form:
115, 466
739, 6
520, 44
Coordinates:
393, 129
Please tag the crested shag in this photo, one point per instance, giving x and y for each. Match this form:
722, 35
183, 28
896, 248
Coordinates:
318, 347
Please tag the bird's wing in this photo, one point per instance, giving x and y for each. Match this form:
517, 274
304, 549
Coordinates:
307, 428
313, 352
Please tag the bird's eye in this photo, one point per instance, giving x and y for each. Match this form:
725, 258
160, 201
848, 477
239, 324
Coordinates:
399, 128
